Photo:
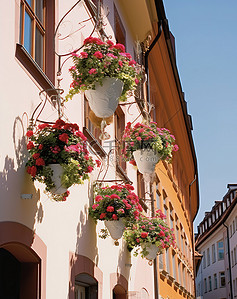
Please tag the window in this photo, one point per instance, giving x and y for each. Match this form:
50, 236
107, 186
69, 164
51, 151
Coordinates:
179, 271
235, 257
204, 259
220, 248
92, 122
85, 287
120, 33
35, 49
209, 282
222, 279
32, 29
215, 281
174, 265
167, 260
119, 125
184, 277
205, 285
208, 257
161, 264
213, 253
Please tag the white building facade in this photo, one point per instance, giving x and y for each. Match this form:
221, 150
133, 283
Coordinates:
216, 242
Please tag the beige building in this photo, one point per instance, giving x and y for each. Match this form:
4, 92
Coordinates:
51, 249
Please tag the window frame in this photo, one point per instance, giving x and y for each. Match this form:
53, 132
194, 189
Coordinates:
44, 77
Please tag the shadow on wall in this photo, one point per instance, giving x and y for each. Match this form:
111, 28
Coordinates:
14, 181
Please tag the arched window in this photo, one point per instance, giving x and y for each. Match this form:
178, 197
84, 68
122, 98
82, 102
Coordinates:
86, 287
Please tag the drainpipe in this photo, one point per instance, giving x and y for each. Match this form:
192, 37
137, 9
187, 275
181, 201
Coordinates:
229, 261
147, 54
155, 270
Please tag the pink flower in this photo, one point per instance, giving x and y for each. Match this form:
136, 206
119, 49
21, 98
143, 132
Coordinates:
110, 209
139, 138
132, 62
92, 71
136, 81
111, 55
98, 198
89, 169
114, 196
110, 43
84, 55
120, 47
55, 150
95, 206
120, 63
121, 211
75, 55
175, 148
136, 213
102, 215
144, 235
161, 233
98, 54
138, 240
115, 217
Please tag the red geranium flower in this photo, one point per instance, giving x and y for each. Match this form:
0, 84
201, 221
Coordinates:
64, 137
29, 133
144, 235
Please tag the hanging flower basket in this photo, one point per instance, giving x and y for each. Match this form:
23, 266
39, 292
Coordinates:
146, 160
116, 205
57, 176
103, 100
58, 157
100, 60
152, 251
149, 236
115, 228
146, 144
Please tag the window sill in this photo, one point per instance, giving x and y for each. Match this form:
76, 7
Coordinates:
34, 69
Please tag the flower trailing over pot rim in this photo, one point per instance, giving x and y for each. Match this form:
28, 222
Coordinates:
115, 202
144, 136
149, 230
61, 143
99, 60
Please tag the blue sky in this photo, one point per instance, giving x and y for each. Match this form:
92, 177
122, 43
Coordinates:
206, 52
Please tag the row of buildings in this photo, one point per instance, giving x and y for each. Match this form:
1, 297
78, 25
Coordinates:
51, 249
216, 243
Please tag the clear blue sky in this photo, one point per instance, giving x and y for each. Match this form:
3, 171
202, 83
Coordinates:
206, 51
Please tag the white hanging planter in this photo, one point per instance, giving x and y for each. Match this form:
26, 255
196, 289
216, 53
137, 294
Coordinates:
56, 178
152, 250
146, 160
115, 228
103, 101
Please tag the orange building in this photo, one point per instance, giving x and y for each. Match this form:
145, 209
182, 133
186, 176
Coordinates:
176, 190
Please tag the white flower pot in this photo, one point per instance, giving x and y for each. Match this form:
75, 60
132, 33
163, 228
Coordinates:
146, 160
152, 251
56, 178
115, 228
103, 101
